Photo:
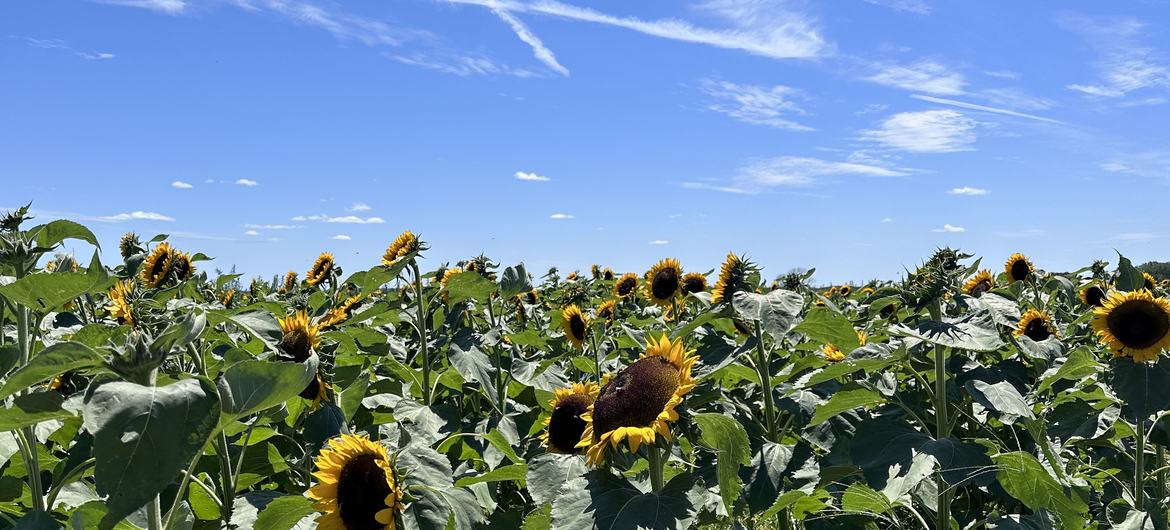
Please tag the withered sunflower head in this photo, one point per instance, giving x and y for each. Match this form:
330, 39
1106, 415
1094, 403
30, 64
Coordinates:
1036, 325
694, 283
626, 285
357, 488
1134, 324
663, 281
320, 269
1018, 267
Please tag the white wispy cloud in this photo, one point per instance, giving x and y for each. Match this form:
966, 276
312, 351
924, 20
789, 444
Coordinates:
1154, 164
251, 233
272, 226
247, 182
359, 207
1124, 63
887, 219
1003, 74
138, 215
58, 44
460, 65
967, 190
918, 7
924, 76
660, 242
341, 237
181, 185
755, 104
170, 7
985, 108
1014, 97
949, 228
531, 177
791, 171
539, 50
759, 27
344, 219
929, 131
560, 216
1137, 236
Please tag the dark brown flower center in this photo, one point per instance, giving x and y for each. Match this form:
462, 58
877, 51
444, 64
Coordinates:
1138, 324
313, 390
982, 287
635, 396
530, 297
565, 426
1095, 296
1036, 330
694, 285
577, 327
159, 266
361, 493
665, 283
1020, 270
626, 286
296, 344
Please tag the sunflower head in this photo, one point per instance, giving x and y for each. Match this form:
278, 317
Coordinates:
1093, 295
626, 285
564, 427
1149, 282
227, 297
663, 281
832, 353
298, 337
606, 311
980, 283
1036, 325
531, 297
733, 276
448, 274
129, 245
1133, 324
595, 271
867, 291
320, 269
573, 276
316, 391
640, 402
157, 266
120, 308
339, 313
694, 282
845, 290
575, 325
183, 266
290, 282
357, 487
1018, 267
402, 245
607, 274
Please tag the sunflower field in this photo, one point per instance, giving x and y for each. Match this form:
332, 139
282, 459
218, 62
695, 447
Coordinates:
141, 392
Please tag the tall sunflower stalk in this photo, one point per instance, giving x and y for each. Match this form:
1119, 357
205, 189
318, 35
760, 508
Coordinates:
422, 323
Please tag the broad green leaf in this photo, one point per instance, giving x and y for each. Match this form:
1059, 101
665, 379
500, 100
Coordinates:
466, 285
31, 409
49, 363
1141, 387
514, 281
973, 331
766, 479
255, 385
44, 292
285, 512
259, 324
777, 311
882, 443
603, 501
1079, 365
1024, 478
469, 359
728, 438
844, 400
517, 472
548, 473
52, 233
144, 436
861, 498
827, 326
1000, 397
351, 397
1129, 278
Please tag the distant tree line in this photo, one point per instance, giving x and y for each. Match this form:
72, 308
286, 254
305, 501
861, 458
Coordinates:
1157, 269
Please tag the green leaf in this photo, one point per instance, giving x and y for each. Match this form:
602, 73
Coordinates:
514, 281
1001, 397
31, 409
259, 324
603, 501
44, 292
52, 233
496, 438
730, 441
1129, 278
351, 397
225, 279
863, 499
539, 519
1141, 387
777, 311
144, 436
827, 326
254, 385
49, 363
1024, 478
469, 285
973, 331
36, 521
517, 472
284, 512
882, 443
1079, 365
844, 400
548, 473
471, 362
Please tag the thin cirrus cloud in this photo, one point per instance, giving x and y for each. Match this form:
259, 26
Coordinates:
251, 233
272, 226
967, 190
950, 229
924, 76
530, 177
560, 216
918, 7
138, 215
341, 237
178, 184
792, 171
58, 44
170, 7
359, 207
1124, 62
344, 219
928, 131
755, 104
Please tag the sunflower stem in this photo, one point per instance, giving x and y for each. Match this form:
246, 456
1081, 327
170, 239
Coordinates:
942, 424
762, 366
421, 319
153, 515
1139, 466
596, 358
183, 489
228, 495
1160, 455
657, 465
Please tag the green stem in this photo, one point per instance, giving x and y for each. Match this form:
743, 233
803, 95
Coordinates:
596, 358
421, 319
67, 478
153, 515
1161, 462
942, 423
657, 465
765, 385
1139, 466
228, 495
183, 489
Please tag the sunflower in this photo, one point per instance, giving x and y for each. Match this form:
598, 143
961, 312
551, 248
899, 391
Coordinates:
980, 283
694, 282
531, 297
832, 353
640, 402
157, 266
182, 265
129, 245
607, 274
1036, 325
862, 337
446, 277
1093, 295
402, 245
320, 269
575, 325
356, 486
595, 271
606, 311
572, 276
298, 337
732, 278
563, 429
227, 297
1018, 267
290, 282
119, 307
626, 285
316, 392
866, 291
339, 313
1134, 324
1150, 283
663, 281
845, 290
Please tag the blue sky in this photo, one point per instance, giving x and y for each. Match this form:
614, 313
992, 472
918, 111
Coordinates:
853, 136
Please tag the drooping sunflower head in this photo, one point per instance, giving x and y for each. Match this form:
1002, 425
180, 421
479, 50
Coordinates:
573, 276
531, 297
867, 291
316, 391
227, 297
402, 245
564, 427
1134, 324
606, 311
845, 290
157, 266
357, 489
663, 281
694, 282
129, 245
595, 271
298, 336
320, 269
120, 308
1036, 325
1150, 284
290, 282
1093, 295
183, 266
575, 325
832, 353
980, 283
733, 277
607, 274
641, 401
1018, 267
626, 285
